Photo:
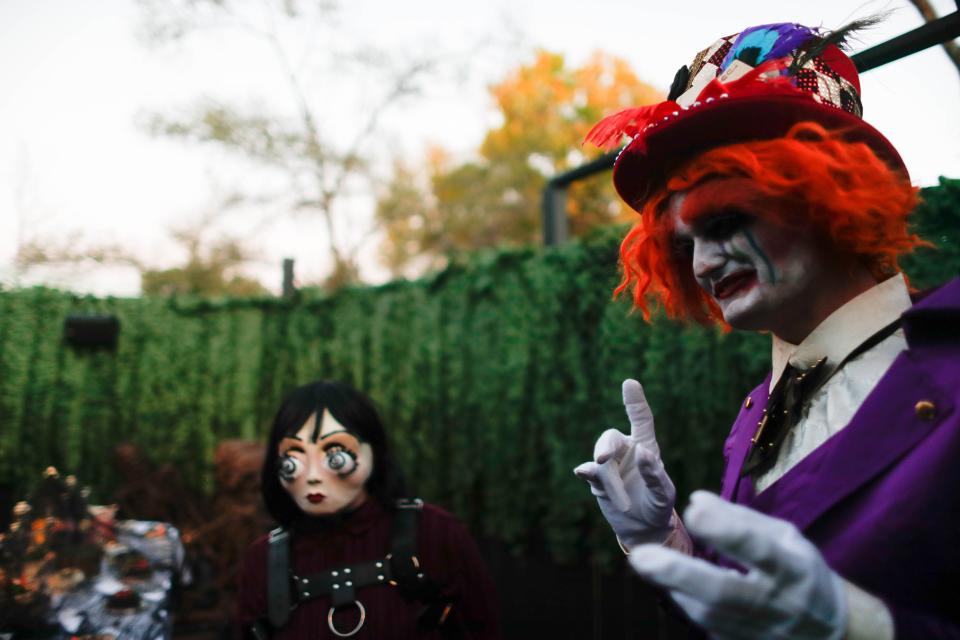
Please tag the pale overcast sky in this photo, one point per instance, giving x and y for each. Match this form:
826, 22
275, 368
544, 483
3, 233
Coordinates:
74, 79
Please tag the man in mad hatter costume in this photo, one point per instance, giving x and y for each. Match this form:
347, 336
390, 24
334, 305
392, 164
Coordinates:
768, 204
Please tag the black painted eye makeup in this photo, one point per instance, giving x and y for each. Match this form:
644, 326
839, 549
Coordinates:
724, 224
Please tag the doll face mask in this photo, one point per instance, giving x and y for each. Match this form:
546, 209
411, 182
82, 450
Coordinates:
761, 273
324, 467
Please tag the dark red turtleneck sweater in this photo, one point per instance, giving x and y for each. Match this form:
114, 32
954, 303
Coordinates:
445, 548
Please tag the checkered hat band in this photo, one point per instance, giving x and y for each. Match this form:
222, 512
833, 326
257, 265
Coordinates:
815, 77
829, 87
714, 54
720, 53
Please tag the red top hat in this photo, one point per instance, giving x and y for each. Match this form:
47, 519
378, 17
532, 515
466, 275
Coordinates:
754, 85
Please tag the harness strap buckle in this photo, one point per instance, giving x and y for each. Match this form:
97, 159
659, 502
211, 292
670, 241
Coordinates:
410, 503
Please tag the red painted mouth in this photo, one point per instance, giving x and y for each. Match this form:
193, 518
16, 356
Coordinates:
316, 498
734, 283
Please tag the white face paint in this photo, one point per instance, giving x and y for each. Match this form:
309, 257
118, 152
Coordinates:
325, 470
764, 276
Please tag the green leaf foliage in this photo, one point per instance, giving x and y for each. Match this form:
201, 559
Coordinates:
495, 378
937, 220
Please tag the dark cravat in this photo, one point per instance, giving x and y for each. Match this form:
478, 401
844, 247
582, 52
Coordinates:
784, 410
787, 400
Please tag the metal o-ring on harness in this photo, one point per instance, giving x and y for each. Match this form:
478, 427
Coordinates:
340, 634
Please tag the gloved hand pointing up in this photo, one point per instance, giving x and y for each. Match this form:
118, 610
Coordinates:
627, 476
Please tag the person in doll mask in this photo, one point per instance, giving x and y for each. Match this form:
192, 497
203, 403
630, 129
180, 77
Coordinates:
324, 467
353, 557
767, 204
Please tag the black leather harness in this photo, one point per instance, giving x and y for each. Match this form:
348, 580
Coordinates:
400, 569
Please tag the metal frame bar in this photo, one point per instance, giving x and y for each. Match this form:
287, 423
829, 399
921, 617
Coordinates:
554, 201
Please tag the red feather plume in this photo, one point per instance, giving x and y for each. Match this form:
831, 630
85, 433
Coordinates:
609, 132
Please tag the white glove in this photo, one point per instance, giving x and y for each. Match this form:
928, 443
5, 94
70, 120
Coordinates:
627, 476
787, 592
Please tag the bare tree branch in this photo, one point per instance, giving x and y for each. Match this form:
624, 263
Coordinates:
71, 250
303, 148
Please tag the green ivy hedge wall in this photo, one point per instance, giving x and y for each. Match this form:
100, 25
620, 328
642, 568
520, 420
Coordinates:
494, 378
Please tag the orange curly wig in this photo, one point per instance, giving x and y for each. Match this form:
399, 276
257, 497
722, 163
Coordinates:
839, 188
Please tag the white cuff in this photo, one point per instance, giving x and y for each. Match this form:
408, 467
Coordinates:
679, 539
868, 617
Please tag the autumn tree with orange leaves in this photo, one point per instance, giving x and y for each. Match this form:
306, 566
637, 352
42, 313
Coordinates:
433, 213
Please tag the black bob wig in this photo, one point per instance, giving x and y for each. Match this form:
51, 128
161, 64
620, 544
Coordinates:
356, 413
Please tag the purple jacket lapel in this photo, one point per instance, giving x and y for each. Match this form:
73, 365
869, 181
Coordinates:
738, 444
863, 448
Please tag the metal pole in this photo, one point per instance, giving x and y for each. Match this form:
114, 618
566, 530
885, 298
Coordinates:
288, 287
554, 210
554, 202
929, 35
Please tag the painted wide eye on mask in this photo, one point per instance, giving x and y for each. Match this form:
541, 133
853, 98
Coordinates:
341, 460
290, 468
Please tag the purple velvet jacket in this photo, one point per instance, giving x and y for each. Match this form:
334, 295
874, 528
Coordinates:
881, 498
